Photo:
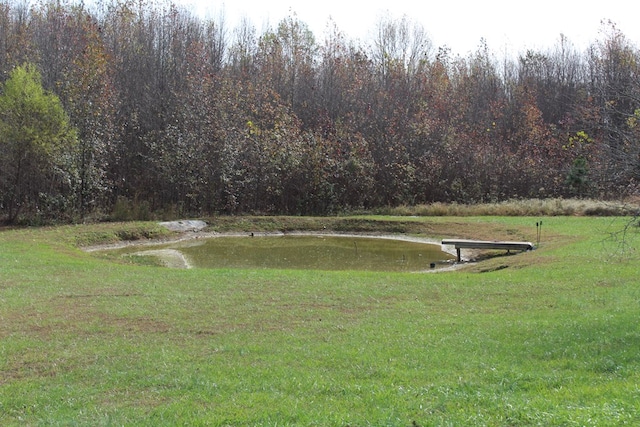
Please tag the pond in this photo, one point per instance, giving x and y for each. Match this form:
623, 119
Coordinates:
310, 252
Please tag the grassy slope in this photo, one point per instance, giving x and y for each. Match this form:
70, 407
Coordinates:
551, 340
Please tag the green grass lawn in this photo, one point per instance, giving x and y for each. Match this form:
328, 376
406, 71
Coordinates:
549, 337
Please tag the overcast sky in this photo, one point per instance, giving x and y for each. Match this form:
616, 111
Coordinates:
507, 26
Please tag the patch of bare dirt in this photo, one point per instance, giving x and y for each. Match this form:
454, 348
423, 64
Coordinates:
171, 258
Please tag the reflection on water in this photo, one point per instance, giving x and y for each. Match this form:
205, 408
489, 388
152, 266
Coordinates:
308, 252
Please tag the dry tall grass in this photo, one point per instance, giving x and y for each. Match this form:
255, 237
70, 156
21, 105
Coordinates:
529, 207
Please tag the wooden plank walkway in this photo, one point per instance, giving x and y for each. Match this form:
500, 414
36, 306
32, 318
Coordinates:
484, 244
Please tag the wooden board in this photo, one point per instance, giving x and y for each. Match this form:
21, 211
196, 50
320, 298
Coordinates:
485, 244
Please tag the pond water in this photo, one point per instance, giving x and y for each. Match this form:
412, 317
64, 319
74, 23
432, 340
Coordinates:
311, 252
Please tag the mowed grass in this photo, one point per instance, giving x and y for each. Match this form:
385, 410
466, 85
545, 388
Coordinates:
549, 337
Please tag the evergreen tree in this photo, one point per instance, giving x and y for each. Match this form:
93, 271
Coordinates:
36, 148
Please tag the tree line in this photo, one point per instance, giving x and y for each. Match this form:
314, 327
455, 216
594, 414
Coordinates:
134, 108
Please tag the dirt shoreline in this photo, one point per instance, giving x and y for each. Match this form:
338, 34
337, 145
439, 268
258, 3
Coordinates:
190, 235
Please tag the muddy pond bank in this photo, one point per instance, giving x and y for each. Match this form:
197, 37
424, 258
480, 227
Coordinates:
403, 229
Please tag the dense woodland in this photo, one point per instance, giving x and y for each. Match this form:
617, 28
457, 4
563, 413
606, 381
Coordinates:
135, 108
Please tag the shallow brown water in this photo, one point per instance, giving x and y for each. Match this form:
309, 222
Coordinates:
318, 252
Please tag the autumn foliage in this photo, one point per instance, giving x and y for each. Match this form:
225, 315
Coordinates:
179, 115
